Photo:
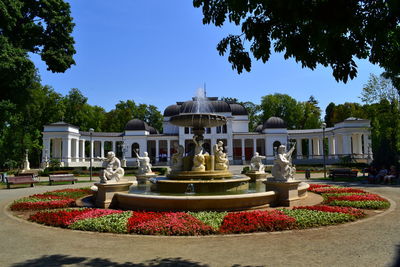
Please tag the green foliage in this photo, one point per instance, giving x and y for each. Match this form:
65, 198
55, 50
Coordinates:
368, 204
379, 88
113, 223
312, 218
211, 218
330, 33
245, 170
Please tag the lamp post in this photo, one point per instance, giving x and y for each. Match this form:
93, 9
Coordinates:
323, 147
91, 130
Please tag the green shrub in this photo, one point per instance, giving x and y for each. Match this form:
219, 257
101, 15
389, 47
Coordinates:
245, 170
313, 218
161, 171
114, 223
369, 204
211, 218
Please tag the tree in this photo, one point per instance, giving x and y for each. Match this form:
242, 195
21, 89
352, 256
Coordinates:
327, 32
252, 109
379, 88
311, 114
283, 106
330, 114
338, 113
42, 27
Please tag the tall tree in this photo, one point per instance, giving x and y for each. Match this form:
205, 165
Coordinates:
42, 27
378, 88
330, 114
327, 32
311, 114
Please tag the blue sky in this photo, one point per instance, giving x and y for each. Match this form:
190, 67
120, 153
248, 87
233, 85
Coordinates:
159, 52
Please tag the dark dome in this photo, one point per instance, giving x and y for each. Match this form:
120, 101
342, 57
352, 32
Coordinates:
259, 128
274, 122
136, 125
192, 107
171, 110
238, 109
220, 106
153, 130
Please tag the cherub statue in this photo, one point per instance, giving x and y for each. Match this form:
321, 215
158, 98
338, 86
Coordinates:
256, 163
144, 163
176, 159
198, 159
283, 169
221, 161
113, 172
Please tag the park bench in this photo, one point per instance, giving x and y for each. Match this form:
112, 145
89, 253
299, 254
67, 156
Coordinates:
342, 173
62, 178
21, 179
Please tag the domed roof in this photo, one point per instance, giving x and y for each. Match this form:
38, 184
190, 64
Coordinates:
136, 125
208, 107
153, 130
259, 128
172, 110
274, 122
238, 109
220, 106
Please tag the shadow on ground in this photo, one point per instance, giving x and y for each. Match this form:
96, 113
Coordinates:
61, 260
397, 260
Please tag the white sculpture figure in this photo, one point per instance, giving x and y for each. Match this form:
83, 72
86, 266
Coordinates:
198, 159
26, 161
221, 161
256, 163
113, 171
176, 159
283, 169
144, 163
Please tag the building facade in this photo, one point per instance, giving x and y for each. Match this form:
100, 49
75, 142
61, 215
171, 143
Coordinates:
74, 148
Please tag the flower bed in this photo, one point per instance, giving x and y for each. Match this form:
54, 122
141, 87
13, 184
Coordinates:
340, 205
50, 200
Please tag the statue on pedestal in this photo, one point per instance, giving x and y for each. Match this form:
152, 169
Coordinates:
177, 157
144, 163
26, 161
283, 169
221, 160
198, 159
256, 163
113, 171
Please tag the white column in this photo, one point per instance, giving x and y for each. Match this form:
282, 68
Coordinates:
254, 146
102, 149
299, 149
46, 146
366, 145
243, 157
168, 150
331, 142
316, 146
113, 147
157, 150
310, 148
230, 149
92, 150
66, 150
76, 150
359, 144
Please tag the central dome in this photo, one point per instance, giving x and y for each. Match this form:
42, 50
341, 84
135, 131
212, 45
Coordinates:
274, 123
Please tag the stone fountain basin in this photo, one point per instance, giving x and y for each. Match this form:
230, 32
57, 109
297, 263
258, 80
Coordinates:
196, 175
198, 120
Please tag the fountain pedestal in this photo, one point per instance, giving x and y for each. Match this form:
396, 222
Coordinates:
105, 192
256, 175
287, 191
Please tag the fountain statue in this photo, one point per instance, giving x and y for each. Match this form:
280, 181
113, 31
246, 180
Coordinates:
144, 164
198, 158
26, 162
221, 161
283, 170
256, 163
113, 172
177, 157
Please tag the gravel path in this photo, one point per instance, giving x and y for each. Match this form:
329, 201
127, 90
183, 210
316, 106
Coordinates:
373, 241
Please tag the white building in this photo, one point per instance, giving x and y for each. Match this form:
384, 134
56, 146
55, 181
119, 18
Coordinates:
72, 147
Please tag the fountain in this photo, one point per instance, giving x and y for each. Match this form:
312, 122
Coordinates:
198, 181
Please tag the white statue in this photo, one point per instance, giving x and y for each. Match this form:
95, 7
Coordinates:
113, 171
198, 159
283, 169
221, 161
177, 157
26, 161
256, 163
144, 163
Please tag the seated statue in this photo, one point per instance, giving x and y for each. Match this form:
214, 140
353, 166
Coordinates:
177, 157
256, 163
113, 171
144, 164
221, 161
198, 159
283, 169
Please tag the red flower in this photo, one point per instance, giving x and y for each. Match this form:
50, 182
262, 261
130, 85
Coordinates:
365, 197
61, 218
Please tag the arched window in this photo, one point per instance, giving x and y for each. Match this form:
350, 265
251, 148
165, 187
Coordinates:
135, 148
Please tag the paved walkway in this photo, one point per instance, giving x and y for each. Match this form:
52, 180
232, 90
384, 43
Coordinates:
369, 242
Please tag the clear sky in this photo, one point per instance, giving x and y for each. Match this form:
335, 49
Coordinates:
159, 52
